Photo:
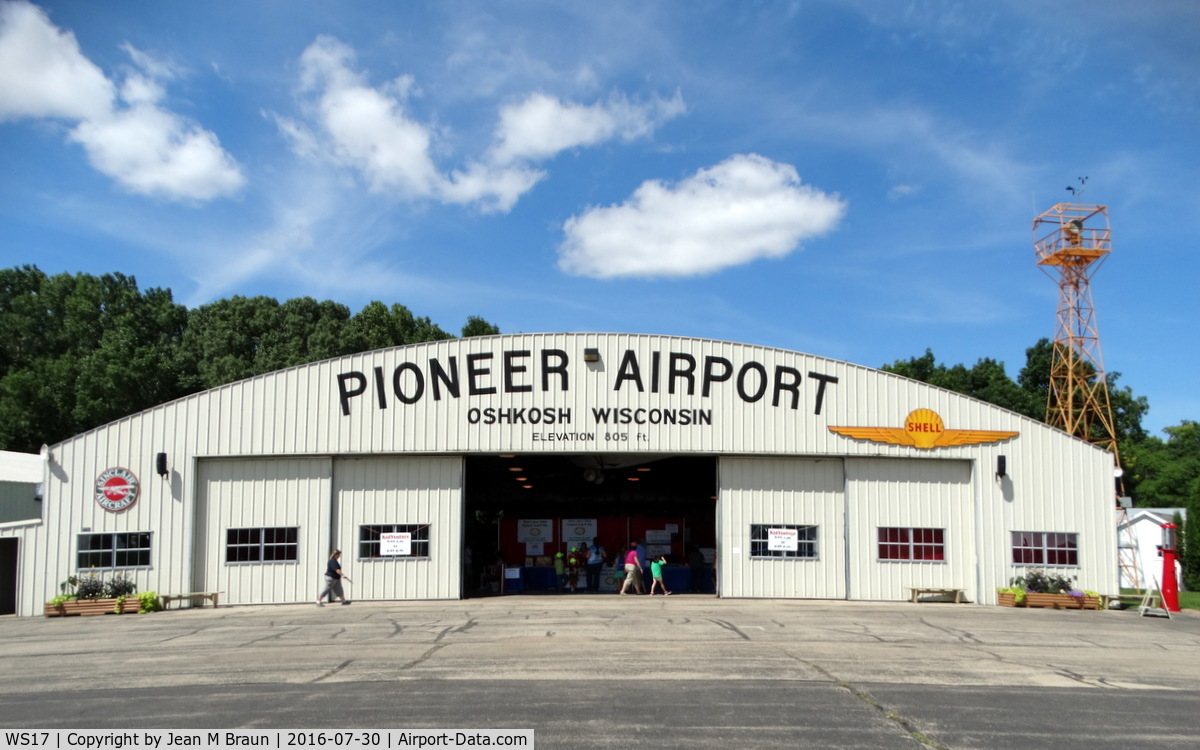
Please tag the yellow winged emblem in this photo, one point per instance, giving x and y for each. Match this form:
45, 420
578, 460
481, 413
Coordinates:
923, 429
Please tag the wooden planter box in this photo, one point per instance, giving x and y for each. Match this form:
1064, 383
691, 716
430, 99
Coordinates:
1062, 601
1007, 600
92, 607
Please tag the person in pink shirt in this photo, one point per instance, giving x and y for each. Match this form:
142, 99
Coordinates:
633, 570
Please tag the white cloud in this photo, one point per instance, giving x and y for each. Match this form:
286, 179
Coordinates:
142, 146
371, 131
542, 126
493, 188
154, 152
745, 208
42, 71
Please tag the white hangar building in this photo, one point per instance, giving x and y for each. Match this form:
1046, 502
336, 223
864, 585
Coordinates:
808, 477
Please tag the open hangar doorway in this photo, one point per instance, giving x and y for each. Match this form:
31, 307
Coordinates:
668, 502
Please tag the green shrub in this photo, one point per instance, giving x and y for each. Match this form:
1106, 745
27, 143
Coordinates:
118, 587
1018, 593
89, 587
148, 601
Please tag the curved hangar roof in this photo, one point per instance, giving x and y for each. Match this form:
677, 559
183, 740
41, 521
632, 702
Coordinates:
578, 393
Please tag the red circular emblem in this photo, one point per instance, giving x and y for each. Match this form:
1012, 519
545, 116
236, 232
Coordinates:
116, 489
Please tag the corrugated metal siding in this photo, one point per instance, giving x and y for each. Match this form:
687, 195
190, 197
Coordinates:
299, 411
909, 493
401, 490
17, 502
1056, 482
262, 493
804, 491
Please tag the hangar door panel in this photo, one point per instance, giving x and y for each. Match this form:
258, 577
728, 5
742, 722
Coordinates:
800, 498
912, 524
262, 529
399, 526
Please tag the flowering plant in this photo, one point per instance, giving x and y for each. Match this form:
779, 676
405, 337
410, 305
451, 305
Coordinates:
1040, 582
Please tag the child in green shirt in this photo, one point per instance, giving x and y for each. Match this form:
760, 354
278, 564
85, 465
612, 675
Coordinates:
656, 571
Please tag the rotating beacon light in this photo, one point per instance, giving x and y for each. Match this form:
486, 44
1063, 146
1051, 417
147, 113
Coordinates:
1170, 553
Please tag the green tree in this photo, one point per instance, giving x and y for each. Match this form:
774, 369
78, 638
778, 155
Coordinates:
80, 350
1189, 535
986, 381
1164, 474
377, 326
1034, 377
240, 337
477, 326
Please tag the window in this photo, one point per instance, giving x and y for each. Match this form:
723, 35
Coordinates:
912, 545
278, 544
1045, 548
122, 550
781, 540
372, 543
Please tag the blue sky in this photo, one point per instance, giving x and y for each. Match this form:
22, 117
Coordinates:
853, 179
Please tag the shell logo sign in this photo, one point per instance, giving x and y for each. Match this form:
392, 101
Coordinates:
924, 429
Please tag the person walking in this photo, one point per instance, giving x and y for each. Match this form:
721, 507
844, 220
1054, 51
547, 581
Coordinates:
656, 572
333, 580
595, 563
633, 570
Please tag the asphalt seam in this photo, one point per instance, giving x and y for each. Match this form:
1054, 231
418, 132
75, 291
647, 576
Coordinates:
866, 698
333, 671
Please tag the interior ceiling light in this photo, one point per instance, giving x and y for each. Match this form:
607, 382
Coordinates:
522, 479
634, 479
508, 455
515, 468
644, 468
527, 486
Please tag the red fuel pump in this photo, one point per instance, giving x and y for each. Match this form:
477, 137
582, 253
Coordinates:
1170, 582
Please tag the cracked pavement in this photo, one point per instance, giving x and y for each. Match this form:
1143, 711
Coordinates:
601, 671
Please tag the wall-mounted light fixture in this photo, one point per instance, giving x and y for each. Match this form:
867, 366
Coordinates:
39, 492
160, 464
1001, 466
591, 355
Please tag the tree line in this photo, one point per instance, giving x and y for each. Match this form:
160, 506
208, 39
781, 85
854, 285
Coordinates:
78, 351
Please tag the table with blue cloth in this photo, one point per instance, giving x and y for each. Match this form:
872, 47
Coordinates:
675, 579
678, 579
539, 578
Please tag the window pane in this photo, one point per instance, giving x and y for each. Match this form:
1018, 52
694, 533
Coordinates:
95, 559
1045, 548
95, 541
760, 542
901, 544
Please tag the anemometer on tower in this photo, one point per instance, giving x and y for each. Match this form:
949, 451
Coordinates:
1071, 242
